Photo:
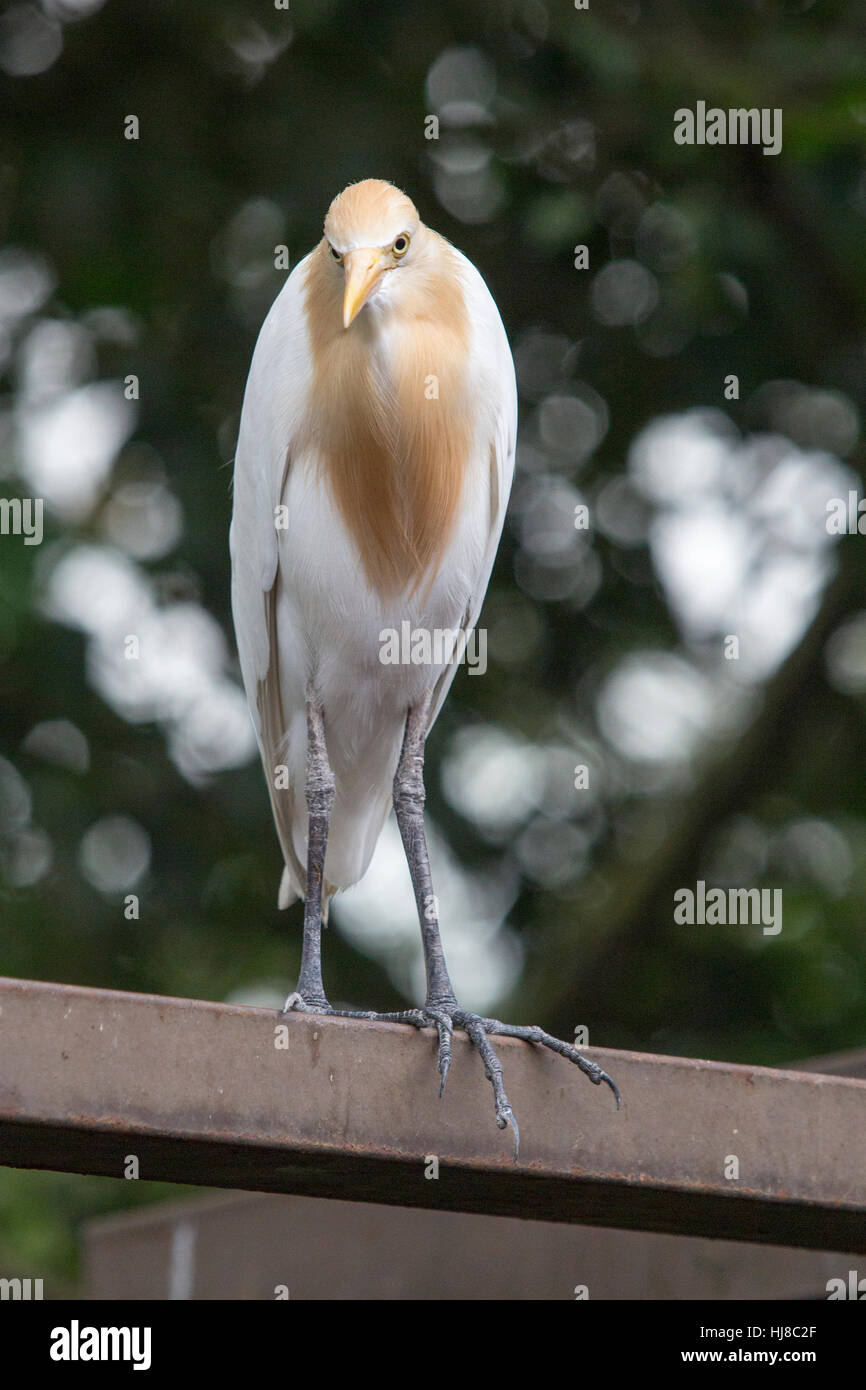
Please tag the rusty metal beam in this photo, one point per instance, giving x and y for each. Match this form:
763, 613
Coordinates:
199, 1093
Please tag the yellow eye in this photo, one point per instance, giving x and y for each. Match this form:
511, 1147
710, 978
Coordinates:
401, 245
335, 253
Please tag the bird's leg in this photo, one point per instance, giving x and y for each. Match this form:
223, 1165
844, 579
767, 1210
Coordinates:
310, 993
441, 1005
409, 799
320, 797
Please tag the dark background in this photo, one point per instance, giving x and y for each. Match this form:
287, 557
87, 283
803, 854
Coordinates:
155, 257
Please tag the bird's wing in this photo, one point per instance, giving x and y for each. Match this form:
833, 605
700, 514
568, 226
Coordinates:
491, 350
274, 401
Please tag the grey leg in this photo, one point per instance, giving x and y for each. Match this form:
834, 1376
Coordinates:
320, 798
409, 799
441, 1004
310, 993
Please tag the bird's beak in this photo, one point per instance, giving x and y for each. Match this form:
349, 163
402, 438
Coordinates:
363, 269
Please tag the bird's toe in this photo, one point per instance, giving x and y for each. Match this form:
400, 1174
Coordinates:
532, 1033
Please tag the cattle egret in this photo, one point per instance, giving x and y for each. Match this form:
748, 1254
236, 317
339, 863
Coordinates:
373, 468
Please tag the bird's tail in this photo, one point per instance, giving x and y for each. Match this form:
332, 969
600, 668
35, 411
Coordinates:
290, 893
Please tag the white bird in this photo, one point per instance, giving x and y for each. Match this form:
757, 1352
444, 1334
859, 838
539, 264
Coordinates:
373, 468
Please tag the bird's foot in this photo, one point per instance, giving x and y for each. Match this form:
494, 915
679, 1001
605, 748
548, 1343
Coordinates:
310, 1004
480, 1030
304, 1005
445, 1017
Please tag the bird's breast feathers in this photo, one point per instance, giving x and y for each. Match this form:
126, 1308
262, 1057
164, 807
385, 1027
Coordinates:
389, 418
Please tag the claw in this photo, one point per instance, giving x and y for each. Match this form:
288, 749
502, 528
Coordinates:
294, 1001
508, 1116
444, 1064
613, 1086
596, 1075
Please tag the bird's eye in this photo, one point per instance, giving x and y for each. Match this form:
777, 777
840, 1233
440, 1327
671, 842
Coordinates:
401, 245
335, 253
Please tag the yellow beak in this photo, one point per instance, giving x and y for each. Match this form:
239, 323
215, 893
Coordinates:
363, 269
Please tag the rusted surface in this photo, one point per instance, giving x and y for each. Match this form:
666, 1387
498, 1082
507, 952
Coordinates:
199, 1093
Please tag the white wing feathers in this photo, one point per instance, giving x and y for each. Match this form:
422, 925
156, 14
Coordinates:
273, 402
491, 346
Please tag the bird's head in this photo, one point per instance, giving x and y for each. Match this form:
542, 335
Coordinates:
371, 228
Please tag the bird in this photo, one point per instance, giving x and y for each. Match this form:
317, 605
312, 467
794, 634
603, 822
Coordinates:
373, 468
